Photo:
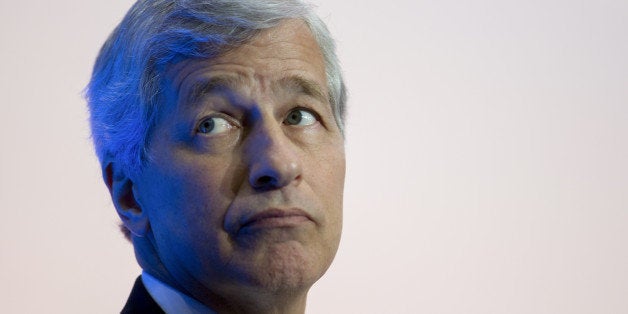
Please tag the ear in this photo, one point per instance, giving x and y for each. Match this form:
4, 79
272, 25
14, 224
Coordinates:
123, 196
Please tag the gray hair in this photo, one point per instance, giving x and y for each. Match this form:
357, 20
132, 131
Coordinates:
123, 94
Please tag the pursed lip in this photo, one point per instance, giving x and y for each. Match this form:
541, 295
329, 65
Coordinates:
275, 218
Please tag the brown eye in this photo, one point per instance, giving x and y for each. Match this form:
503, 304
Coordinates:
300, 117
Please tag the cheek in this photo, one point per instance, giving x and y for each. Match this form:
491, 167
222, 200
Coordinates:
332, 170
328, 178
185, 198
187, 217
330, 181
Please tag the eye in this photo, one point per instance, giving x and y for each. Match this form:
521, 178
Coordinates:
300, 117
213, 125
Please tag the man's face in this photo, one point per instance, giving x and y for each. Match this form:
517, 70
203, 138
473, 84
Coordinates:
244, 185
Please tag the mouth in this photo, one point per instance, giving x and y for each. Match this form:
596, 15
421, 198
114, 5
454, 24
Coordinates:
275, 218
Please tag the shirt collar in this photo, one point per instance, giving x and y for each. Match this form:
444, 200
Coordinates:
171, 300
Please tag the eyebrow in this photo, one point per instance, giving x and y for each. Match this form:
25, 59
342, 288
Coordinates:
295, 84
300, 85
213, 85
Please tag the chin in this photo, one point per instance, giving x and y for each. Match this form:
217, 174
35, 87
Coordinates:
289, 267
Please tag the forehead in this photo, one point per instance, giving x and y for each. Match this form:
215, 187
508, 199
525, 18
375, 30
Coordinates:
285, 54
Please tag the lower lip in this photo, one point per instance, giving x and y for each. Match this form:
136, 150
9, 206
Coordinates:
277, 222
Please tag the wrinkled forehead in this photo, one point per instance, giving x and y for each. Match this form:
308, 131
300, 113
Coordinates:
286, 55
292, 37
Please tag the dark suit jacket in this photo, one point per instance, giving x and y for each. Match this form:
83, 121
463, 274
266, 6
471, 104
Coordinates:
140, 301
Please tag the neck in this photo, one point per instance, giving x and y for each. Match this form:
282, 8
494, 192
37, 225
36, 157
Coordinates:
264, 307
254, 300
235, 299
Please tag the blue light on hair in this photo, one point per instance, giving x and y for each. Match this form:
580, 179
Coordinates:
124, 95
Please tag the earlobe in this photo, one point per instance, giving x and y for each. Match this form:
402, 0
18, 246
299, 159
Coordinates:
124, 199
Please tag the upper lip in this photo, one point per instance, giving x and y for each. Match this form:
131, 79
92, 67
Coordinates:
272, 213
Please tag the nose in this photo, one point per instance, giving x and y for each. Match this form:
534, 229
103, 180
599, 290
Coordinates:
273, 159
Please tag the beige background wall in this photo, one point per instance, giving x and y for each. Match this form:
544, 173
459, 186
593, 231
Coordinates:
487, 147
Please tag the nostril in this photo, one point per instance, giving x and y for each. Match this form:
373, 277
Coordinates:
264, 181
273, 173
